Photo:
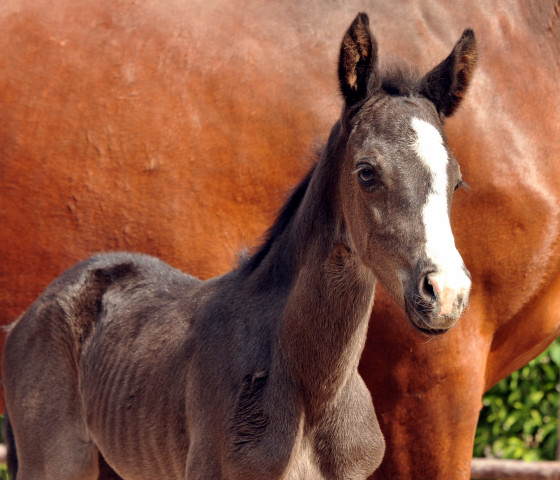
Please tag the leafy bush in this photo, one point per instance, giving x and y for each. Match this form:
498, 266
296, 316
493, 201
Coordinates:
519, 418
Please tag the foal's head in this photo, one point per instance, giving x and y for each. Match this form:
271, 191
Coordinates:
398, 175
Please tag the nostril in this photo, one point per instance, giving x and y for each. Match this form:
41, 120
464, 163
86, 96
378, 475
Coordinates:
427, 290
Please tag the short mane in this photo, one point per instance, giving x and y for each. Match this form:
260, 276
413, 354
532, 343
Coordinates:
286, 213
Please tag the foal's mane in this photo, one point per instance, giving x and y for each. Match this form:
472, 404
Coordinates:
398, 78
286, 213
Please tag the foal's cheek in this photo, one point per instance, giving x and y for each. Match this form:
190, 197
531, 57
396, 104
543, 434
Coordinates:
376, 215
371, 226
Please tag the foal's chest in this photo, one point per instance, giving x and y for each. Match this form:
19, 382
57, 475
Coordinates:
343, 442
340, 454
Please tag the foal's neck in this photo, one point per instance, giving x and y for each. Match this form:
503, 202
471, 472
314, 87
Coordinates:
323, 328
325, 324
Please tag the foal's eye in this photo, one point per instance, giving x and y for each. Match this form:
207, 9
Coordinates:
367, 175
460, 183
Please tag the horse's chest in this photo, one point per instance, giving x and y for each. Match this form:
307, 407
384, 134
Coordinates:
345, 441
334, 450
304, 463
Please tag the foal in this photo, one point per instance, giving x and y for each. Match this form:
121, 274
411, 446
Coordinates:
253, 374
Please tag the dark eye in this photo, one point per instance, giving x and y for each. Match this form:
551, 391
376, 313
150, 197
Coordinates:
462, 184
367, 175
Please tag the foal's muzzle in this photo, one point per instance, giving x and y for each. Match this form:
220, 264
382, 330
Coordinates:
437, 299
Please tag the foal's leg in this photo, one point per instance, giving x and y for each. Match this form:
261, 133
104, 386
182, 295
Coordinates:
51, 439
41, 394
50, 444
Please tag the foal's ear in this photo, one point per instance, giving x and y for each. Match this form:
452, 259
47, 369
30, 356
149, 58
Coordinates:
358, 60
447, 83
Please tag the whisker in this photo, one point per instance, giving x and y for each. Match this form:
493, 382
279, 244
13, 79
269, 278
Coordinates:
430, 339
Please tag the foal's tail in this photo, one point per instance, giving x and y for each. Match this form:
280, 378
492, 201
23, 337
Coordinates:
11, 458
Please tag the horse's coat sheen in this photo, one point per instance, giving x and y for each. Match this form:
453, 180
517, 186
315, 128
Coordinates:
253, 374
134, 125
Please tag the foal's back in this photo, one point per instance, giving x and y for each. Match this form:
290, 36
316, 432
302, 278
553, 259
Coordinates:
89, 340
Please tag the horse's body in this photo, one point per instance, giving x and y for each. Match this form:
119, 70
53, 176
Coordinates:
135, 126
254, 374
176, 380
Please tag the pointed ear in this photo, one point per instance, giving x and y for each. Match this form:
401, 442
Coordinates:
447, 83
358, 60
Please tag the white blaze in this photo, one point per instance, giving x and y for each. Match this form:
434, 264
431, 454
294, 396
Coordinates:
450, 278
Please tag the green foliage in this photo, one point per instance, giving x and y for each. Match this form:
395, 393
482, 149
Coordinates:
519, 418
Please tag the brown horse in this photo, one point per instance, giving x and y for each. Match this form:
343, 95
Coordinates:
254, 374
134, 126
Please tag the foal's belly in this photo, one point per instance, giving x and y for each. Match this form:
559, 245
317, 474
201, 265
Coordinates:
135, 414
140, 443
